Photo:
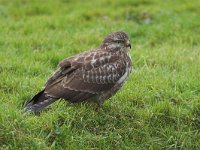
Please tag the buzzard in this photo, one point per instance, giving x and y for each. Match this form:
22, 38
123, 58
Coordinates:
94, 75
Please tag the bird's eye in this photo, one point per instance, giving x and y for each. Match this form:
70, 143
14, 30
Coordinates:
119, 41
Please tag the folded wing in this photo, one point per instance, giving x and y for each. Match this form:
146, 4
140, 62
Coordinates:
84, 76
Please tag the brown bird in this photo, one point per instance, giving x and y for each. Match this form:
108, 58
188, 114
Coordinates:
94, 75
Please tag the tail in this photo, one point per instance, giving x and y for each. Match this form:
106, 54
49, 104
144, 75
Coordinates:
39, 101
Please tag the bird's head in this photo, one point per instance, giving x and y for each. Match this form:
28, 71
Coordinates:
116, 41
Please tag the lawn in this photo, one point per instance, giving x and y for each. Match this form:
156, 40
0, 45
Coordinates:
157, 108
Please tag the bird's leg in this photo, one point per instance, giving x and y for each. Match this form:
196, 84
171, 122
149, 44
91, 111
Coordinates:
99, 101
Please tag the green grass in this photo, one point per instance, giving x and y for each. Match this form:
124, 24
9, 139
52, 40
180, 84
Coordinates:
159, 106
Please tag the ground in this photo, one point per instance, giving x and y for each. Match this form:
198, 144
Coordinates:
159, 106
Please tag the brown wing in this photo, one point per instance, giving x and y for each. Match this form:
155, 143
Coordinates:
86, 75
67, 66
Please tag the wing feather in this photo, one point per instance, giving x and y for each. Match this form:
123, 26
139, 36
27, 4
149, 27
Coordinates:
86, 75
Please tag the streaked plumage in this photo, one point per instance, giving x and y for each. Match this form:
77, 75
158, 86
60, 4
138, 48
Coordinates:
97, 74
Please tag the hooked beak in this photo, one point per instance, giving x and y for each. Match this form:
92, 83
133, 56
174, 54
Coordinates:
128, 43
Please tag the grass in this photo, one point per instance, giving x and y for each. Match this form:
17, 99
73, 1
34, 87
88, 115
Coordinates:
158, 108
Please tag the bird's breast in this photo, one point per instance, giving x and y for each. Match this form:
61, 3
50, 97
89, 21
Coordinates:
128, 66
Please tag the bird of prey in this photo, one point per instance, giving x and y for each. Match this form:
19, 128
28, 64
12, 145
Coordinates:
94, 75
